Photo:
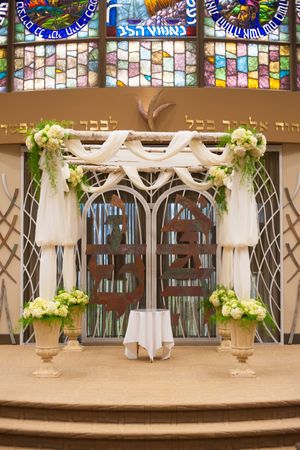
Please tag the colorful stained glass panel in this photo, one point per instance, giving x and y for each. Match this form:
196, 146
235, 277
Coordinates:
146, 18
242, 65
298, 68
3, 69
212, 30
3, 31
151, 63
297, 28
57, 66
91, 30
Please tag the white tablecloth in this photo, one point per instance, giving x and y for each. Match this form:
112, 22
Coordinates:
151, 329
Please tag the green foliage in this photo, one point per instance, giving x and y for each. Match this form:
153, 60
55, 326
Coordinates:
34, 166
222, 206
247, 165
45, 319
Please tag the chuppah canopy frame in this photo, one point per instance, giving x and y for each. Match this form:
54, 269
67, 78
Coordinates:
124, 154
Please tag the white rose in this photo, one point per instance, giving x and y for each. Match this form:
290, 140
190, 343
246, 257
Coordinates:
257, 152
226, 309
238, 134
56, 131
261, 138
37, 313
261, 313
212, 171
53, 144
40, 138
253, 141
29, 142
26, 313
236, 313
215, 302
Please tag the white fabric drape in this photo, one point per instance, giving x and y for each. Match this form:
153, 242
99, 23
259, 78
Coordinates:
134, 176
69, 267
58, 220
242, 272
209, 158
226, 277
98, 156
187, 179
47, 275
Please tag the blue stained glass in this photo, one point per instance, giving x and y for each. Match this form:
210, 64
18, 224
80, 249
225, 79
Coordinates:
284, 73
19, 74
220, 61
242, 64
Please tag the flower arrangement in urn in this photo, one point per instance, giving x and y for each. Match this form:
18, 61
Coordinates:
76, 301
47, 318
219, 297
242, 316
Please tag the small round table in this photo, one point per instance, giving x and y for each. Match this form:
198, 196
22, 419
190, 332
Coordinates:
150, 329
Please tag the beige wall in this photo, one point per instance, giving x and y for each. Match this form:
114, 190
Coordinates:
10, 166
274, 113
291, 172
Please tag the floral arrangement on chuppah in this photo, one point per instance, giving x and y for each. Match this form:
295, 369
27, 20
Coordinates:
246, 148
46, 141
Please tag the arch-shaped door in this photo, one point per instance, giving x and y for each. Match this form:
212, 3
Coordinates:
184, 259
115, 260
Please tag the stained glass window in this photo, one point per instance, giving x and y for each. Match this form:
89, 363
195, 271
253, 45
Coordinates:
48, 64
3, 51
151, 63
298, 68
150, 43
90, 31
261, 64
297, 28
212, 30
3, 32
3, 69
247, 65
56, 66
146, 18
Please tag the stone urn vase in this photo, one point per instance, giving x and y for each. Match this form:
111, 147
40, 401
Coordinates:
224, 333
242, 346
73, 329
46, 341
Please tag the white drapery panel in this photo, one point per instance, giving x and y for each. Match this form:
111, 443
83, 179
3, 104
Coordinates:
58, 221
47, 275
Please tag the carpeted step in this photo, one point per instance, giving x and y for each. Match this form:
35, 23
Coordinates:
235, 435
150, 414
